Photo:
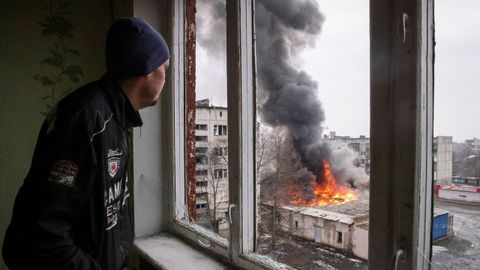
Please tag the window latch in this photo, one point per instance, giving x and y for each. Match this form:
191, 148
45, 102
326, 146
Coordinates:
404, 27
230, 206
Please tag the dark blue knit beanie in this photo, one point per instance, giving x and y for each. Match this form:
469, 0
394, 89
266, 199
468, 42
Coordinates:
134, 48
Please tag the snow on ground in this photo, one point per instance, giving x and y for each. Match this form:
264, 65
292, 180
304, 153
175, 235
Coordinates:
324, 265
464, 247
437, 249
355, 260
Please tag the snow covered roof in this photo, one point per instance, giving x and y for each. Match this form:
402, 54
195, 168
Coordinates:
439, 211
363, 225
354, 209
320, 213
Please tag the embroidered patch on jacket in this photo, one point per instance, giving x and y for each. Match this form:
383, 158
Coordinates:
113, 161
63, 172
113, 164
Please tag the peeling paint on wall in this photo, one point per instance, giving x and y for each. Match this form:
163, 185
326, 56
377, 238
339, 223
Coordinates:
190, 108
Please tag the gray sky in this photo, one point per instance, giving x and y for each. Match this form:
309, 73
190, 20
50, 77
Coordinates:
339, 62
457, 71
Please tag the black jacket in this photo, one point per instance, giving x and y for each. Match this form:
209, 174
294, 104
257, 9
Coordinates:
72, 209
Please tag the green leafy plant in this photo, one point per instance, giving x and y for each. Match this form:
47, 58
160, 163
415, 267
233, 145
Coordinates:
61, 76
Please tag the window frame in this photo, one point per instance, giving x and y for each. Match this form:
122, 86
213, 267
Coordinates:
401, 133
407, 65
233, 251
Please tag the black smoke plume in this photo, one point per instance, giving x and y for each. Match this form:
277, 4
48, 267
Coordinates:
212, 26
285, 27
287, 96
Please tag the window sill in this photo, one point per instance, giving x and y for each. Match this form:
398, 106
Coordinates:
164, 251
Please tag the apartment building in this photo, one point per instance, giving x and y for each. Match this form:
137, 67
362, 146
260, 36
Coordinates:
360, 145
211, 174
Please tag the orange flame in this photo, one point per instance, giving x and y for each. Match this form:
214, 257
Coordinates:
326, 193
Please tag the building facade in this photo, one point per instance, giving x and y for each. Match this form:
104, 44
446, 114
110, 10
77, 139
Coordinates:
360, 145
442, 160
335, 226
211, 174
473, 144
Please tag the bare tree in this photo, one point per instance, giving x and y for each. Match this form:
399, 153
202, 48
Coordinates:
279, 171
213, 183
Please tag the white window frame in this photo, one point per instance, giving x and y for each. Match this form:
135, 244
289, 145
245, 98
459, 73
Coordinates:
240, 49
400, 218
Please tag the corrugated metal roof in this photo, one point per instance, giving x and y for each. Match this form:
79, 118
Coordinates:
319, 213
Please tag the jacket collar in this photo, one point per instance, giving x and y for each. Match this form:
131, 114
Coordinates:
121, 106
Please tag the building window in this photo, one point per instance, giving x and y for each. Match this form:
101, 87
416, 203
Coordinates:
220, 113
201, 159
201, 138
201, 127
202, 206
202, 195
201, 172
221, 173
339, 237
355, 147
201, 150
220, 151
219, 130
201, 183
296, 225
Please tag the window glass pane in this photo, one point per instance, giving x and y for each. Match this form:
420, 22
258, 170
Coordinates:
313, 147
211, 140
456, 149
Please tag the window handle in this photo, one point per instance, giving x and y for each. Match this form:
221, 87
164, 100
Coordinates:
398, 254
204, 244
230, 206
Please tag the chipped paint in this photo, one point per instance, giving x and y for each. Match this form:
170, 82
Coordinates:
190, 107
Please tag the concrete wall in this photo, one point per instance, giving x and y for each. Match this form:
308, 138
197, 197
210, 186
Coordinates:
300, 225
152, 173
22, 48
360, 242
443, 157
459, 195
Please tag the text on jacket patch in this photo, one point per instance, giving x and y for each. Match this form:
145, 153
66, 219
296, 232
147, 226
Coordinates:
116, 188
114, 202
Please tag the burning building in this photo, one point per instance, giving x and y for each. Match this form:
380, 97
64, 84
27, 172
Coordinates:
288, 99
329, 212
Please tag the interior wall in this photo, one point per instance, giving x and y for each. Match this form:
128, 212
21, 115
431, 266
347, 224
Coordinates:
152, 173
23, 47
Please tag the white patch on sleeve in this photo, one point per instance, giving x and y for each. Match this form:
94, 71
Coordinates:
63, 172
113, 164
